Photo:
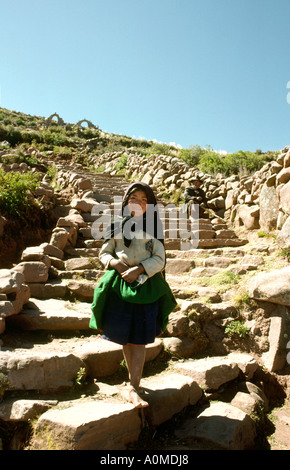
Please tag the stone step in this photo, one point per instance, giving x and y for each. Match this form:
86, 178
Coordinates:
184, 245
222, 425
103, 358
103, 425
76, 424
56, 289
89, 425
201, 253
53, 367
52, 314
212, 372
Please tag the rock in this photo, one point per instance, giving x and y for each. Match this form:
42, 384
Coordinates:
287, 160
275, 358
269, 207
24, 410
73, 219
59, 239
252, 261
177, 324
256, 392
204, 272
84, 184
32, 253
214, 332
148, 178
182, 347
83, 205
231, 198
44, 190
103, 357
248, 216
51, 250
225, 234
78, 263
33, 271
283, 176
210, 293
273, 286
166, 400
218, 261
271, 180
6, 308
283, 239
14, 294
276, 167
282, 422
92, 425
210, 373
217, 203
179, 266
10, 281
46, 372
82, 289
246, 402
52, 314
222, 310
55, 289
203, 234
284, 198
160, 176
189, 306
223, 425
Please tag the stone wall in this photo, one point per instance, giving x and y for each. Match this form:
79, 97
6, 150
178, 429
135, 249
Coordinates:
260, 201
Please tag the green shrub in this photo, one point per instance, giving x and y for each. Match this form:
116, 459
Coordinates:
285, 252
192, 155
237, 329
122, 163
237, 163
15, 189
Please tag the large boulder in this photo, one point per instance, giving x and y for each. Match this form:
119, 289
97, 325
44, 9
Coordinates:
283, 176
248, 216
33, 271
271, 287
210, 373
91, 425
284, 197
269, 207
283, 238
166, 400
45, 372
222, 425
14, 294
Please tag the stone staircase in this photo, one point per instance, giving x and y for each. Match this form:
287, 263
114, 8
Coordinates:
71, 381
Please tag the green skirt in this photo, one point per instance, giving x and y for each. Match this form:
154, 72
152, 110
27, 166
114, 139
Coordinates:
154, 289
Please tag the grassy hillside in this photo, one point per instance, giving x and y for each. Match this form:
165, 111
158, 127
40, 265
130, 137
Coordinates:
21, 131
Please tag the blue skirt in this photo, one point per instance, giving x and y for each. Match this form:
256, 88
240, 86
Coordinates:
125, 322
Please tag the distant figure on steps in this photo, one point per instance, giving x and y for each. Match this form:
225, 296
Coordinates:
195, 195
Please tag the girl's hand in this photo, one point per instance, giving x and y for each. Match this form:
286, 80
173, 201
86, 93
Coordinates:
118, 265
131, 274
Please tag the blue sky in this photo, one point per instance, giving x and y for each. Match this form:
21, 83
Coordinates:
193, 72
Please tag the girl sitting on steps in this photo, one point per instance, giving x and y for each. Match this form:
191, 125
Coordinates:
132, 301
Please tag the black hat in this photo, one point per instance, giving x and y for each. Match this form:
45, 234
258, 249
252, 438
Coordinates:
197, 178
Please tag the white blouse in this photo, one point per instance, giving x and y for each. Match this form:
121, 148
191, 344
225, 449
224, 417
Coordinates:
149, 252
